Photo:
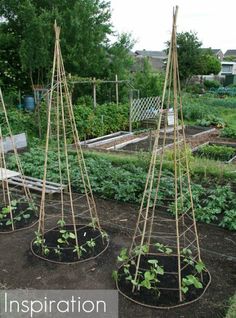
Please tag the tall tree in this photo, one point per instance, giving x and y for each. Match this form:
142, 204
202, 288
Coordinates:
193, 60
85, 43
189, 54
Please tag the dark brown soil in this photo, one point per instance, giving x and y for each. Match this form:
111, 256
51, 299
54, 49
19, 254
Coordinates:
145, 145
163, 298
67, 252
23, 216
20, 269
190, 132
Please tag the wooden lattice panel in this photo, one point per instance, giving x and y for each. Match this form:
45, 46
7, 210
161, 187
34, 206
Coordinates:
144, 108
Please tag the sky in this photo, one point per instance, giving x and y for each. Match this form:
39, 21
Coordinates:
150, 21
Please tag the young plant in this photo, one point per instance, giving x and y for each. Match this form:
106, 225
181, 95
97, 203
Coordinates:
61, 223
190, 280
141, 250
40, 242
93, 222
104, 235
163, 248
58, 251
65, 236
79, 250
91, 243
187, 256
123, 255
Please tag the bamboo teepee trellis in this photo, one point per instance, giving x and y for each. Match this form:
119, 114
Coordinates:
9, 192
155, 231
62, 125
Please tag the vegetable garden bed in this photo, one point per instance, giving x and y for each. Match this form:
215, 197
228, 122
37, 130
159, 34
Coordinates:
216, 151
25, 271
24, 215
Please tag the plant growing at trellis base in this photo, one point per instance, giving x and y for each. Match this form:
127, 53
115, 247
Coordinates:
17, 211
163, 267
77, 235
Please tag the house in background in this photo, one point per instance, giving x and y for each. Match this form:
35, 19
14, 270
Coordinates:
230, 55
155, 58
217, 52
228, 71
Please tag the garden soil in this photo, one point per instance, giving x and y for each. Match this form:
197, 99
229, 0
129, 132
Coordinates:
20, 269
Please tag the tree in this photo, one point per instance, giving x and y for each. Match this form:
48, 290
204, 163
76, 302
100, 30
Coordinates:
189, 54
193, 60
147, 82
85, 42
209, 63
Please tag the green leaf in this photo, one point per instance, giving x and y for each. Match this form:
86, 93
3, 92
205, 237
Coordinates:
153, 261
115, 275
72, 235
184, 289
200, 266
9, 222
26, 216
149, 276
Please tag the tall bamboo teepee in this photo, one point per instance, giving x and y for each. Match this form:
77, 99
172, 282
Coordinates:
172, 242
15, 213
61, 133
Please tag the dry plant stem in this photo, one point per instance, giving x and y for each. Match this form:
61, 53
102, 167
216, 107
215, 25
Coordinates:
19, 166
175, 153
41, 227
3, 183
184, 232
59, 147
85, 179
150, 178
7, 185
187, 168
153, 157
59, 72
162, 151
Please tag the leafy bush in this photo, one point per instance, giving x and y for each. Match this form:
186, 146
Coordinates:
229, 220
214, 202
223, 153
105, 119
211, 120
228, 132
20, 121
124, 180
211, 84
195, 88
193, 111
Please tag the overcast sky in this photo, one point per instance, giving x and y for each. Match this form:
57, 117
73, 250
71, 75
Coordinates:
150, 21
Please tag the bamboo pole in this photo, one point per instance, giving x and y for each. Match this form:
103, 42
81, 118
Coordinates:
94, 93
117, 90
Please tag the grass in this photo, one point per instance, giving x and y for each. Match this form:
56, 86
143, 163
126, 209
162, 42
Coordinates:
198, 166
199, 107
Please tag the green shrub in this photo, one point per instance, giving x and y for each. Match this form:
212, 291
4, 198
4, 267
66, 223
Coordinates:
223, 153
192, 111
211, 84
228, 132
195, 88
229, 219
105, 119
123, 179
211, 120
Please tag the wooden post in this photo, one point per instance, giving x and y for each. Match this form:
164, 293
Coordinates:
130, 111
94, 93
117, 91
